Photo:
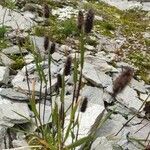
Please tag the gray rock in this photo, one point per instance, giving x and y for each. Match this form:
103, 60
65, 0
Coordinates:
29, 58
139, 86
4, 75
87, 119
13, 94
96, 77
21, 144
14, 50
100, 64
129, 98
124, 4
101, 143
93, 94
6, 61
14, 19
9, 110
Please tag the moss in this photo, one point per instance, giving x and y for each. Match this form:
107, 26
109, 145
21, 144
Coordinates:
105, 28
130, 21
142, 62
147, 42
58, 30
3, 40
19, 62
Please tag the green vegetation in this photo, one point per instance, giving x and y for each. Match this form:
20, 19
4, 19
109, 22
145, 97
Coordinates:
3, 41
58, 30
142, 61
19, 62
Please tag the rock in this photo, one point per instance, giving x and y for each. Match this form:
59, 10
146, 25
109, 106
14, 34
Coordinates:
14, 50
143, 97
20, 82
4, 75
5, 60
21, 144
139, 86
95, 76
87, 119
29, 58
129, 98
65, 13
9, 110
101, 143
112, 126
66, 49
124, 4
46, 114
56, 56
110, 45
93, 94
89, 47
100, 64
13, 95
15, 19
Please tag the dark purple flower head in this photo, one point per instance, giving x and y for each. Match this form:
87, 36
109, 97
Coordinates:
80, 22
67, 69
89, 21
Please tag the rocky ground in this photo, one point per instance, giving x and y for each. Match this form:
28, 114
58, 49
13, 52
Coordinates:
119, 38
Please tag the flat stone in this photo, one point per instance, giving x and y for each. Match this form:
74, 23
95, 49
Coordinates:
46, 115
13, 94
124, 4
100, 64
5, 60
20, 82
143, 97
89, 47
65, 13
112, 126
14, 19
14, 50
96, 77
139, 86
9, 110
4, 75
101, 143
29, 58
87, 119
130, 98
93, 94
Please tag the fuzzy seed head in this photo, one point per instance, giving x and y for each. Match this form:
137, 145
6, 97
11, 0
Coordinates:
53, 47
46, 11
59, 81
89, 21
122, 80
84, 105
46, 43
67, 69
80, 21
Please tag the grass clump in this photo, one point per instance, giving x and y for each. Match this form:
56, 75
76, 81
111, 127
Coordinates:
3, 41
58, 30
141, 61
19, 62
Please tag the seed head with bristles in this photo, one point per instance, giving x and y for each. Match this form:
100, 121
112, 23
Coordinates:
59, 83
59, 80
67, 69
84, 105
80, 21
46, 11
122, 80
46, 43
53, 47
89, 21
